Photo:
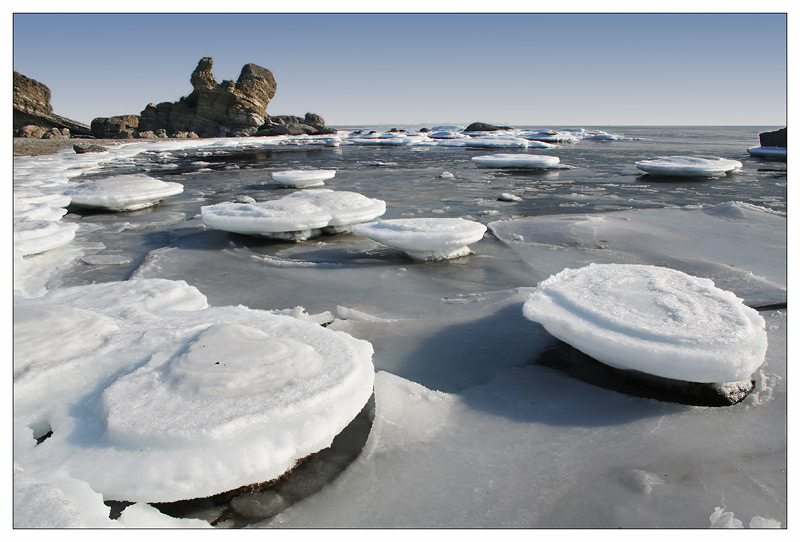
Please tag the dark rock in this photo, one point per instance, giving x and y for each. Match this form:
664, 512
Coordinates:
424, 130
484, 127
261, 505
32, 107
773, 139
80, 149
118, 127
572, 361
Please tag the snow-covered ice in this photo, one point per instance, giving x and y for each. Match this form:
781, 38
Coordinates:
529, 161
768, 152
33, 236
655, 320
425, 239
689, 166
122, 192
152, 406
346, 208
303, 178
299, 216
497, 141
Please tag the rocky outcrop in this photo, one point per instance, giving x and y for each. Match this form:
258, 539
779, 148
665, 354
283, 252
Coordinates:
32, 108
311, 124
773, 139
118, 127
484, 127
216, 109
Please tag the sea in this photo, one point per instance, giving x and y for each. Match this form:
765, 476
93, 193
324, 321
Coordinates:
466, 428
601, 178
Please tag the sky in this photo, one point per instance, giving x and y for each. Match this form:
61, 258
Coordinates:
520, 69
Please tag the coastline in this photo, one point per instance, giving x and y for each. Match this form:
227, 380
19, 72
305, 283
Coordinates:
29, 146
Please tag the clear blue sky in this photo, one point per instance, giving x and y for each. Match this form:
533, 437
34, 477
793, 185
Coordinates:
518, 69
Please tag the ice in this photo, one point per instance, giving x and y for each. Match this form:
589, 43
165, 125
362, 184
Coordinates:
303, 178
549, 136
529, 161
768, 152
705, 242
179, 404
34, 236
122, 192
346, 208
445, 134
425, 239
652, 319
294, 217
299, 216
497, 141
689, 166
470, 428
533, 448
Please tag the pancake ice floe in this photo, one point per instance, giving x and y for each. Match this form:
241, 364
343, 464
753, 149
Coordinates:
303, 178
299, 216
653, 320
122, 192
689, 166
346, 208
425, 239
525, 161
294, 219
768, 152
181, 404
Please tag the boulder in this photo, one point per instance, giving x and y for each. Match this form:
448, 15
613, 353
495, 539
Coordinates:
30, 130
81, 149
56, 133
32, 107
773, 139
311, 124
484, 127
118, 127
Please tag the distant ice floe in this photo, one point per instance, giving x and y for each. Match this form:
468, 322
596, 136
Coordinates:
122, 192
299, 216
497, 141
147, 394
768, 152
655, 320
425, 239
689, 166
549, 136
303, 178
527, 161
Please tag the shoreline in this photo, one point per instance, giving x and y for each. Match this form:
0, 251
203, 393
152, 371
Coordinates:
30, 146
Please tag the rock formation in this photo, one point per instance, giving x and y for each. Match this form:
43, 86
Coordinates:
773, 139
216, 109
484, 127
32, 110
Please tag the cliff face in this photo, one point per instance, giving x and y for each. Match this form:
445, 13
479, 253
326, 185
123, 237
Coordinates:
216, 109
32, 108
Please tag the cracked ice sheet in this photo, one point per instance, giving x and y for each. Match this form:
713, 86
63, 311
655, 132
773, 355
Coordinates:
739, 246
535, 448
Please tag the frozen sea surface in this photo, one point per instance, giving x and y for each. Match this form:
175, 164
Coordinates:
469, 429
